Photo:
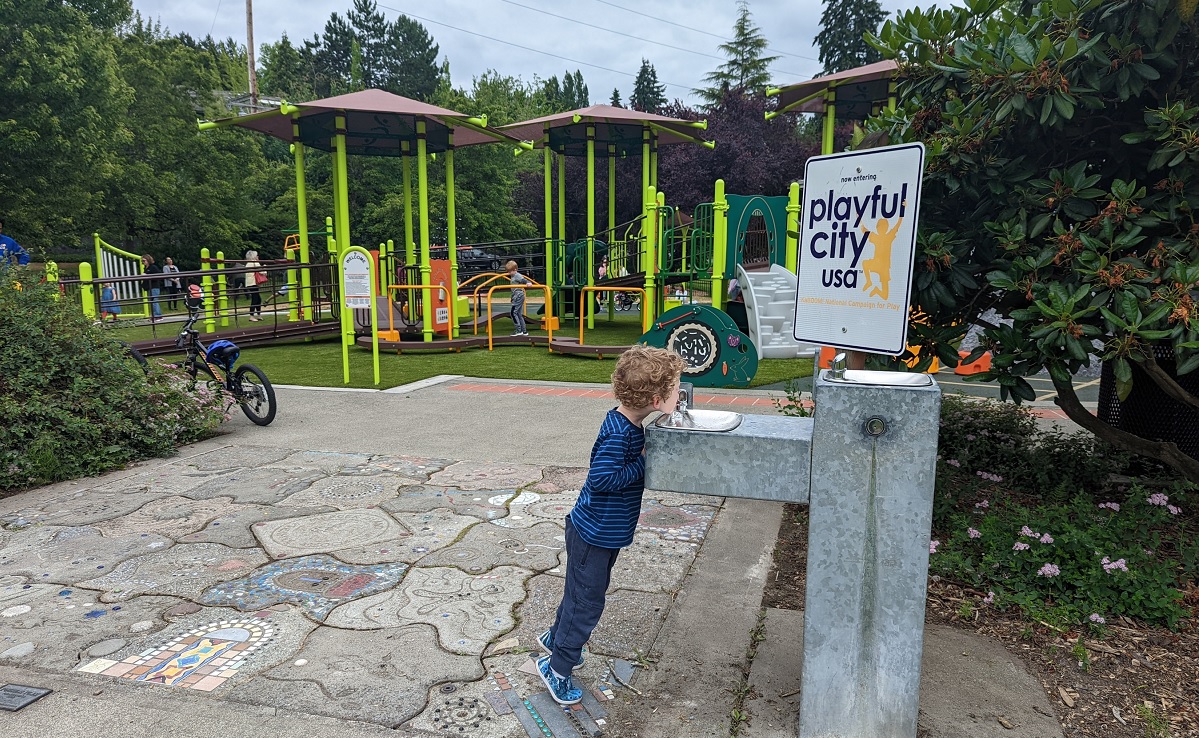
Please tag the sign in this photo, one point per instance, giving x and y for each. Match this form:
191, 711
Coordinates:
856, 248
356, 279
15, 696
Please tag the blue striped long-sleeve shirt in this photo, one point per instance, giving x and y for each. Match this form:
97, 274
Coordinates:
610, 502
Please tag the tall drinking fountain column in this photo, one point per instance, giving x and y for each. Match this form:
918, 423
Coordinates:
865, 465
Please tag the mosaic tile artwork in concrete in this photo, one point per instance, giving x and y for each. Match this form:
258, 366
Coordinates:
328, 532
350, 493
329, 462
376, 676
236, 457
365, 464
684, 523
165, 479
483, 708
483, 475
169, 516
530, 508
73, 508
675, 499
425, 497
653, 564
468, 610
208, 650
258, 485
185, 570
431, 531
560, 479
234, 529
65, 622
630, 622
316, 584
67, 555
487, 546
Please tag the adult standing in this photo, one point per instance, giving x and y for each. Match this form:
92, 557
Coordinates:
251, 283
10, 250
154, 285
172, 284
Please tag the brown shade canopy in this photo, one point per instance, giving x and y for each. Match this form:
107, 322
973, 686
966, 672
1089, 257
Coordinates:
377, 124
620, 127
859, 91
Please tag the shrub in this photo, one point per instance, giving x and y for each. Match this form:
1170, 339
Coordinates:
72, 403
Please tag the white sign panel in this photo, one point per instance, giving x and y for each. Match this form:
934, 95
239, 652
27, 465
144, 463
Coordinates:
356, 279
857, 244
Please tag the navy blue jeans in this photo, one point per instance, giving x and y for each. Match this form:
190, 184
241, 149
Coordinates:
588, 572
518, 315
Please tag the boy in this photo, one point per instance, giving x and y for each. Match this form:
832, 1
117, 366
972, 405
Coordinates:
602, 521
518, 298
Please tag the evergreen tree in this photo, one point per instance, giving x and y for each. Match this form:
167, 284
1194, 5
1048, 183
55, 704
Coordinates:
363, 50
615, 101
648, 94
842, 28
283, 72
747, 71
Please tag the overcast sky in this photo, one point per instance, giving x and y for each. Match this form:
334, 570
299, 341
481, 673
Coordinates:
540, 38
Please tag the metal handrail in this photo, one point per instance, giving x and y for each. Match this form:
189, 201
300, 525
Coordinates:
549, 310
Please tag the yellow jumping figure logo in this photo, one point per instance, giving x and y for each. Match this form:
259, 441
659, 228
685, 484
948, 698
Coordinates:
877, 269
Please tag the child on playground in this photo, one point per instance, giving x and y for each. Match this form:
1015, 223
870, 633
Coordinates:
603, 519
108, 303
518, 298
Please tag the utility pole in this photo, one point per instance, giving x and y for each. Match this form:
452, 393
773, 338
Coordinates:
250, 55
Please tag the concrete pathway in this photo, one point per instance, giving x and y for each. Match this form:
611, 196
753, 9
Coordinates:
380, 563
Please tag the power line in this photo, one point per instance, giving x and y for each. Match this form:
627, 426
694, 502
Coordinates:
214, 17
527, 48
698, 30
627, 35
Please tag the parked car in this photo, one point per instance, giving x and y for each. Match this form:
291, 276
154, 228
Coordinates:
472, 260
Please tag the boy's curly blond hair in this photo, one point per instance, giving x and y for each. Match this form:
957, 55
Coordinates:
643, 373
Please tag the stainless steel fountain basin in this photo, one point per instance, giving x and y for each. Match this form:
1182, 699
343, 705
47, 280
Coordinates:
713, 421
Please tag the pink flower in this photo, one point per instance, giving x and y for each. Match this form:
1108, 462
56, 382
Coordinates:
1097, 618
969, 436
932, 546
973, 533
1046, 538
1029, 532
1049, 571
989, 598
953, 462
982, 505
1157, 498
1020, 546
1113, 506
989, 476
1109, 565
1173, 510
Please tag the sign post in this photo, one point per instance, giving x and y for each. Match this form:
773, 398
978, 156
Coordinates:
357, 290
857, 247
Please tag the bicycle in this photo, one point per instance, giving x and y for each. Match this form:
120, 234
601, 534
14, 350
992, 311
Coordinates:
626, 300
248, 384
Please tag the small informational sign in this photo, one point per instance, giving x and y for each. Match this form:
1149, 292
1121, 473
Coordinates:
443, 315
856, 249
15, 696
356, 279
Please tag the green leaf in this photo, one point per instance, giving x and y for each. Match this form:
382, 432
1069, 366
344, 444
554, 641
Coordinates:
1123, 389
1064, 106
1023, 390
1122, 369
1022, 49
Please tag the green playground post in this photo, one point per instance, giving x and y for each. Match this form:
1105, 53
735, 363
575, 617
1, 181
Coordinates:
547, 170
409, 239
451, 236
99, 256
645, 181
590, 282
206, 283
830, 119
305, 297
292, 287
562, 196
222, 290
611, 224
653, 159
330, 242
342, 223
649, 256
86, 290
422, 180
380, 282
720, 244
792, 258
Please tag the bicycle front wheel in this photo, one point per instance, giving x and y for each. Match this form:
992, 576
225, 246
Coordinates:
255, 394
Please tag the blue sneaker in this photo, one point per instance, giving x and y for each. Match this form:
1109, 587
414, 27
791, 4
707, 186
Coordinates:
548, 645
562, 689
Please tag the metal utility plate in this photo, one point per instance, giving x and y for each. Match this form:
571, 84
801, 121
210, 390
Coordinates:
15, 696
712, 421
881, 379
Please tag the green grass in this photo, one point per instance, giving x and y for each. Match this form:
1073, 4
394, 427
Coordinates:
319, 362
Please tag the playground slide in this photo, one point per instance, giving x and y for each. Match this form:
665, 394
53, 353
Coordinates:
770, 312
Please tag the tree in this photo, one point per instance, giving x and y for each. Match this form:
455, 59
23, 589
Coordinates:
284, 72
1058, 192
363, 50
843, 27
615, 101
569, 94
746, 71
649, 95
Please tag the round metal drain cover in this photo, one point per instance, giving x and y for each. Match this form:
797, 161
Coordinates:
448, 689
